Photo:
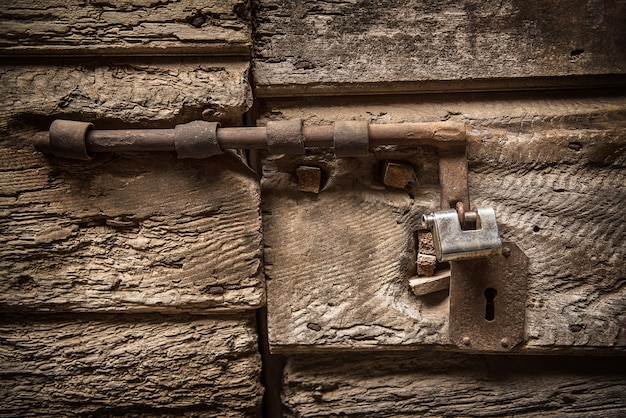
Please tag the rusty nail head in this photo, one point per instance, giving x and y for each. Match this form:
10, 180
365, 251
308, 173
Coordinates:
425, 242
398, 175
506, 251
504, 342
309, 179
466, 341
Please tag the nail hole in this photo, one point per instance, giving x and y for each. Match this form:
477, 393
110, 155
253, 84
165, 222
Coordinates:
575, 146
313, 326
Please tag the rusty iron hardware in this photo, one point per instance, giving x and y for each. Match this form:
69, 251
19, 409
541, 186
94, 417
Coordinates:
67, 139
487, 281
285, 137
398, 175
309, 179
453, 243
200, 139
488, 301
453, 177
197, 139
351, 138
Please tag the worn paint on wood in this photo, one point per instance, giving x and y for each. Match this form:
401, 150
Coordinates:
125, 27
554, 169
152, 92
440, 384
139, 365
338, 47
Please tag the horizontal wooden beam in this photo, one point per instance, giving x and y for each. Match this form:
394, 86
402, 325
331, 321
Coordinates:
442, 384
60, 365
129, 235
120, 28
123, 92
399, 46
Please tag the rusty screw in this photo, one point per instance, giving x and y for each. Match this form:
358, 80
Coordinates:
506, 251
504, 342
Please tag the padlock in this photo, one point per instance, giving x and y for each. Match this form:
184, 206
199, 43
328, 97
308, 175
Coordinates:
453, 243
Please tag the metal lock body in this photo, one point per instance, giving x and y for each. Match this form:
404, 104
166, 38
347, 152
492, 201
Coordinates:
453, 243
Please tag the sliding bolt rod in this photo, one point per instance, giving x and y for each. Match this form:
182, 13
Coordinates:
443, 135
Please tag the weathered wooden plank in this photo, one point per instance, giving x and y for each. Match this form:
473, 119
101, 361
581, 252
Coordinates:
122, 27
441, 384
338, 263
129, 233
340, 259
154, 92
131, 365
338, 47
126, 233
96, 236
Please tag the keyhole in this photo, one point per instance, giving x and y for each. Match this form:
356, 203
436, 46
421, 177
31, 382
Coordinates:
490, 310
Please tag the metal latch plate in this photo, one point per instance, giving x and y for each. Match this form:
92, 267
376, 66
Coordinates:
488, 300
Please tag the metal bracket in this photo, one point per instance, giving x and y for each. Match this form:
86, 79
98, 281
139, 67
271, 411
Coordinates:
453, 177
488, 301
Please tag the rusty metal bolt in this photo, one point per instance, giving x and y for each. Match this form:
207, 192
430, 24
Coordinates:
506, 251
466, 341
398, 175
309, 179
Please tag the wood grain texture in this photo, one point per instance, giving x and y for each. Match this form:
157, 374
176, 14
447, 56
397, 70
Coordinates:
130, 365
125, 27
565, 215
442, 384
337, 47
553, 168
337, 263
129, 233
152, 92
